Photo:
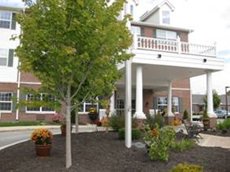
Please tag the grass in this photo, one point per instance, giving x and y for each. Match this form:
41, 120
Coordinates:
184, 144
25, 123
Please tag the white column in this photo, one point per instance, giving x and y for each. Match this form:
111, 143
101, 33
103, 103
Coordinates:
169, 105
112, 103
128, 105
210, 111
139, 94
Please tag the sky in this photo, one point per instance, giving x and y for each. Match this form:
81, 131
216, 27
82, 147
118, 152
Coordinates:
210, 20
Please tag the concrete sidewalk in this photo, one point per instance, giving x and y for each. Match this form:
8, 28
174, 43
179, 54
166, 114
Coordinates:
82, 128
214, 141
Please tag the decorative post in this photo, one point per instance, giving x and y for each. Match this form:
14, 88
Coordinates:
178, 45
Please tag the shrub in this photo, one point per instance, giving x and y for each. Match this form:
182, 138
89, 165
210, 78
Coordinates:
182, 145
185, 167
185, 115
136, 134
224, 125
159, 141
153, 121
118, 121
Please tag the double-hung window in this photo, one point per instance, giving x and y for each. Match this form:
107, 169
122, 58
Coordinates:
34, 103
165, 17
6, 101
6, 57
165, 34
7, 20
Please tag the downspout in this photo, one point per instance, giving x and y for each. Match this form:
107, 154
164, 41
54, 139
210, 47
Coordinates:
18, 89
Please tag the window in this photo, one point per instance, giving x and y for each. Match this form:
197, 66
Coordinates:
166, 17
5, 102
7, 20
162, 103
136, 30
131, 10
6, 57
37, 98
165, 34
87, 106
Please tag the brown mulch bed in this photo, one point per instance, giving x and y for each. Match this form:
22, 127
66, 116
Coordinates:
103, 152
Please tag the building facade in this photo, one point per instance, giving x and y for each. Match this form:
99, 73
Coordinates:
163, 62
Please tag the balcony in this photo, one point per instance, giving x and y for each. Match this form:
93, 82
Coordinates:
177, 47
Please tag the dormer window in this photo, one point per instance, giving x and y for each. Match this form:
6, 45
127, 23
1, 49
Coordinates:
165, 17
7, 20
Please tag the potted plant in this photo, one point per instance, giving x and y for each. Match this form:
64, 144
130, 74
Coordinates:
93, 115
42, 138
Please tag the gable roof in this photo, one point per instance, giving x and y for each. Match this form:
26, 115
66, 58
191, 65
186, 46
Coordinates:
157, 5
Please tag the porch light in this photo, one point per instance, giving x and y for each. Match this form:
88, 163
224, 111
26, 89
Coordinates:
159, 56
204, 60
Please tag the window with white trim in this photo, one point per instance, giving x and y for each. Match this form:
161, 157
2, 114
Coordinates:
162, 103
165, 34
6, 101
166, 17
6, 57
7, 20
33, 98
88, 105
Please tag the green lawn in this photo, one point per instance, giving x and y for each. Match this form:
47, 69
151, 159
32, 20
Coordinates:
25, 123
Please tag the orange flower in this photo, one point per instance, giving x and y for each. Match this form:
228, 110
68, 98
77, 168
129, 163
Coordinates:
42, 136
155, 132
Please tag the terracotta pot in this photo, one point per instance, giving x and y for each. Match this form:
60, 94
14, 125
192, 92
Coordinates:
43, 150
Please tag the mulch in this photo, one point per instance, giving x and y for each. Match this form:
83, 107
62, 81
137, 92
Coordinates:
104, 152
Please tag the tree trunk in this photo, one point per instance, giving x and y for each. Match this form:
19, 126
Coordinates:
68, 131
76, 121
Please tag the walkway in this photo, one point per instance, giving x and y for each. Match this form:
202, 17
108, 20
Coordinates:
214, 141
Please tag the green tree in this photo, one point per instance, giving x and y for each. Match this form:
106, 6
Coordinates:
73, 47
216, 100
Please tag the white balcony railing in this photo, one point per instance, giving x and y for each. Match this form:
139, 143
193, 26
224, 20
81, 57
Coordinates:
147, 43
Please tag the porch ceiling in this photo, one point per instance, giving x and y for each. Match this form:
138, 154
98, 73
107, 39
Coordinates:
157, 76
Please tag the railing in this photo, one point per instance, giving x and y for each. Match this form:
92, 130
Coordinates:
154, 44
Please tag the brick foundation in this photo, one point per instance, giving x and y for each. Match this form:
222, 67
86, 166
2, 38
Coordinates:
212, 123
169, 120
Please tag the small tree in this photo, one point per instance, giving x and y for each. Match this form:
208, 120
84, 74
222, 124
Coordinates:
185, 115
73, 47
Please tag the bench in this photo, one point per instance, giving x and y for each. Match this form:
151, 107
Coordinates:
193, 129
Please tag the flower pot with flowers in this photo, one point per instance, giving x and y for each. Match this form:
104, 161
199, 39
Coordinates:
42, 138
93, 115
